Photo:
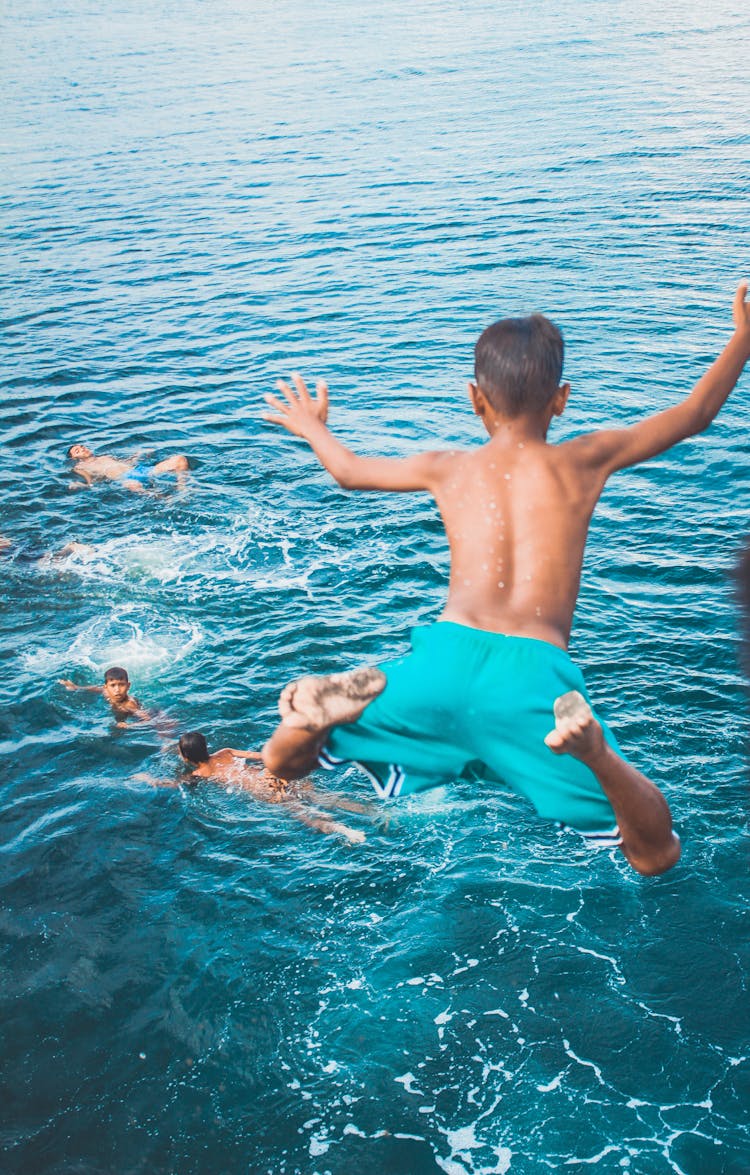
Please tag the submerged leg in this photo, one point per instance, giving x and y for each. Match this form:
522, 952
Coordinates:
178, 465
309, 708
175, 464
640, 809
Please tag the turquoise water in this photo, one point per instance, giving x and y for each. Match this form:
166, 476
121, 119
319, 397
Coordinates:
197, 199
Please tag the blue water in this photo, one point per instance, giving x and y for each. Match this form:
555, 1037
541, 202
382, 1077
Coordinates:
197, 199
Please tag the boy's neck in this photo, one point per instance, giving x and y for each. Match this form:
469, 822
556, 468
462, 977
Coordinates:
510, 430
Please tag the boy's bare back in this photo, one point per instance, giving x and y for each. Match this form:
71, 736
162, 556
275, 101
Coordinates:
516, 513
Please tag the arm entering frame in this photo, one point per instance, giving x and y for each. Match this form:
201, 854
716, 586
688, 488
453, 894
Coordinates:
306, 417
617, 448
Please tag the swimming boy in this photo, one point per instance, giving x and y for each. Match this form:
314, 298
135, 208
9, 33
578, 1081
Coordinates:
478, 692
231, 768
135, 474
116, 691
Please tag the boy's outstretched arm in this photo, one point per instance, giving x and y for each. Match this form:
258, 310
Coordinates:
306, 417
617, 448
91, 689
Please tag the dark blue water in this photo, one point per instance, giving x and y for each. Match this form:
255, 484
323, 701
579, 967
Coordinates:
197, 199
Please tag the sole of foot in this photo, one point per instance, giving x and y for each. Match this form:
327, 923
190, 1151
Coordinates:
577, 732
571, 707
316, 703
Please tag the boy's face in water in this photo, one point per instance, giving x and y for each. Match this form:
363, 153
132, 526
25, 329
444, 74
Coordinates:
79, 452
116, 690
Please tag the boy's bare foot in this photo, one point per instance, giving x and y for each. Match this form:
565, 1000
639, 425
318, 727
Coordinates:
576, 732
317, 703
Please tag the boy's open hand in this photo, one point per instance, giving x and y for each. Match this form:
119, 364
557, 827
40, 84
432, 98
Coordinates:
741, 311
298, 410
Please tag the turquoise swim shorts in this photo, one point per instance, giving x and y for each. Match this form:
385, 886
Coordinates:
471, 704
140, 473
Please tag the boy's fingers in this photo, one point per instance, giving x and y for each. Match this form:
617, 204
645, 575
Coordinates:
275, 402
321, 389
282, 420
739, 298
301, 387
286, 391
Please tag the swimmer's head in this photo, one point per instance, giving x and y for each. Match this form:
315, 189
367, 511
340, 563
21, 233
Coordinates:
116, 684
79, 452
518, 366
193, 748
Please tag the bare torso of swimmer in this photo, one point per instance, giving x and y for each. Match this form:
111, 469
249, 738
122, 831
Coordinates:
234, 772
103, 467
516, 513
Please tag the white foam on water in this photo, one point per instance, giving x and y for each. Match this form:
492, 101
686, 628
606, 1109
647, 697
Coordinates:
461, 1161
140, 639
407, 1080
241, 552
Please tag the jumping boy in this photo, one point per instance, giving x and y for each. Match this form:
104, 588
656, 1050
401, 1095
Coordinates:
116, 691
478, 692
133, 473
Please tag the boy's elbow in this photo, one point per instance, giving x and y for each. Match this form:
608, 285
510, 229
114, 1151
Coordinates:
346, 475
698, 421
658, 861
705, 421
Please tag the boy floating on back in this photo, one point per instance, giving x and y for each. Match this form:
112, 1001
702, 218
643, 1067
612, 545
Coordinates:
134, 474
480, 690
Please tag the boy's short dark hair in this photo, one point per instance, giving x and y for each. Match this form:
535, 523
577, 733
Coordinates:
518, 364
116, 674
193, 747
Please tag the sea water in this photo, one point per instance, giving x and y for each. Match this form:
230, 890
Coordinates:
196, 200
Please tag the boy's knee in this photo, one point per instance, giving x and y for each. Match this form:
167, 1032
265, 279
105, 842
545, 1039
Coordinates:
280, 764
660, 861
181, 463
271, 760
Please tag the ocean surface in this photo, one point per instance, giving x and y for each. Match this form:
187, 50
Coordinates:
197, 199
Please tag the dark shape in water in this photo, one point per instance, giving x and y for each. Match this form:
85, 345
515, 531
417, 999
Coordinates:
742, 578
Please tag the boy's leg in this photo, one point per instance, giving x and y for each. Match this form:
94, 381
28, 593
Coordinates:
309, 708
642, 813
177, 464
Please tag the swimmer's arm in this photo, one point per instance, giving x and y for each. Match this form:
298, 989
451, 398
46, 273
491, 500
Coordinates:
617, 448
242, 754
91, 689
305, 417
134, 709
144, 777
88, 480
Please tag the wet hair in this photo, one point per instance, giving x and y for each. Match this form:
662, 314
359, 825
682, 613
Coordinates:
193, 747
518, 364
116, 674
